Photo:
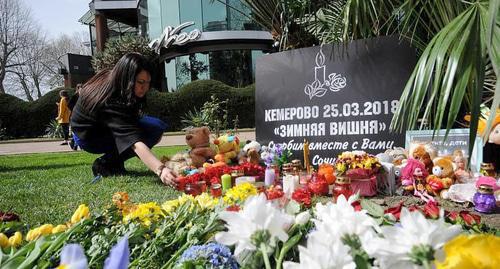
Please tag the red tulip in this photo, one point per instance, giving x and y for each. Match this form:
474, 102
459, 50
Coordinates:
395, 210
233, 208
431, 210
302, 196
453, 216
469, 218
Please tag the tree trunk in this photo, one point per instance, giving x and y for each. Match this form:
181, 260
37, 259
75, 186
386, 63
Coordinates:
2, 77
37, 86
26, 90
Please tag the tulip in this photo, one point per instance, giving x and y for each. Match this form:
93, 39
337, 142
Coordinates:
16, 239
470, 219
453, 217
33, 234
431, 210
59, 228
46, 229
4, 241
81, 213
395, 210
302, 218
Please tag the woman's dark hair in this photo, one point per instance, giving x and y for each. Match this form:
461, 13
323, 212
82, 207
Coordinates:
117, 83
64, 93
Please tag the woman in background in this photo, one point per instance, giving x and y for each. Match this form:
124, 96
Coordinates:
63, 114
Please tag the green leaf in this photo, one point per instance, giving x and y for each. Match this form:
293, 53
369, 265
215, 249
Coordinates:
372, 208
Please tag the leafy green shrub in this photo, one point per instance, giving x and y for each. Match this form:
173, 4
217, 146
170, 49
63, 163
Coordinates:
30, 119
115, 48
54, 130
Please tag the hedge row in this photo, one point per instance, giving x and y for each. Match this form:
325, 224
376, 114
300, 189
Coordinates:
29, 119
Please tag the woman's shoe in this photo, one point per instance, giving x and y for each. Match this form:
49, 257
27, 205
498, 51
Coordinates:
108, 167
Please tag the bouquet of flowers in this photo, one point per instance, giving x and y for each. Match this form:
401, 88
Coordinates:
357, 164
211, 255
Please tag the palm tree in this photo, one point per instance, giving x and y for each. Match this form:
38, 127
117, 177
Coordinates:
457, 41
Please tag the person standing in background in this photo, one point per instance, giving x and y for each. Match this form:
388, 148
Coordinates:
63, 115
71, 105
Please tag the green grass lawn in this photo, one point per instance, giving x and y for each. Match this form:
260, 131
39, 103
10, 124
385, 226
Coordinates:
47, 188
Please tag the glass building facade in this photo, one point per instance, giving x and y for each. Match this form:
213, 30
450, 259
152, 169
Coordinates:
233, 67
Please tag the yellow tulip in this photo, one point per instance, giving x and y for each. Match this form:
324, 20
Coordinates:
81, 213
471, 251
33, 234
4, 241
46, 229
59, 228
16, 239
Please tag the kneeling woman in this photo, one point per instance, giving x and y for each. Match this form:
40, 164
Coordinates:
106, 119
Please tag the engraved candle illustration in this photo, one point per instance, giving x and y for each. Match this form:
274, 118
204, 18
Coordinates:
320, 69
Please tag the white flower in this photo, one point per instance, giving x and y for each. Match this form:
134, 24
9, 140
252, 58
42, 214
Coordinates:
392, 251
257, 215
302, 218
341, 219
73, 257
323, 251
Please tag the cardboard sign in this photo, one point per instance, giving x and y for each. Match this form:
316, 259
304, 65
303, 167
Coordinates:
338, 97
458, 139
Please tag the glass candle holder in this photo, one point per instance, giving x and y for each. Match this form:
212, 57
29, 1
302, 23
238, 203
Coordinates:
484, 200
342, 186
270, 175
202, 185
226, 182
192, 189
216, 190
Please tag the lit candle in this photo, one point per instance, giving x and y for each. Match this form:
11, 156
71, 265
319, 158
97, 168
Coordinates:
226, 182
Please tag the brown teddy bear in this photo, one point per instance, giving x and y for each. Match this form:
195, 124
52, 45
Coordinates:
424, 152
198, 139
442, 176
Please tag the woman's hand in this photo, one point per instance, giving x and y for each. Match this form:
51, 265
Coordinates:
168, 177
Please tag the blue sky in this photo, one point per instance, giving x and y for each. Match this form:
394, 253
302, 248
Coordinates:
59, 16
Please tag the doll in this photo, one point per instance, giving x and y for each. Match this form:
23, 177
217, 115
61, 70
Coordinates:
491, 150
413, 179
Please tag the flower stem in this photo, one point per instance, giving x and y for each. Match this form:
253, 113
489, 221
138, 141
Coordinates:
263, 249
426, 264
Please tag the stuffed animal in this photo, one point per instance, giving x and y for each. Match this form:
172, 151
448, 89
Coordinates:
398, 155
228, 147
179, 163
442, 176
198, 139
250, 153
424, 152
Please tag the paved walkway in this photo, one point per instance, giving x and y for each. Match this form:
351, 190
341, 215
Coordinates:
54, 146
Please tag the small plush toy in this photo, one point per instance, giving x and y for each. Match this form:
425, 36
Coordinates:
228, 147
198, 139
424, 152
442, 176
250, 153
398, 155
